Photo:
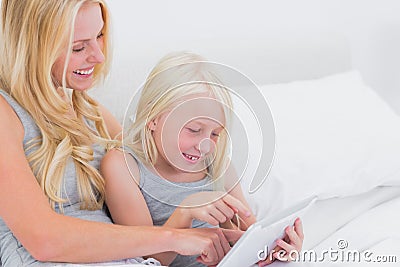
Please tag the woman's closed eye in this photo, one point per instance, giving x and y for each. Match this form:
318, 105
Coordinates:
81, 47
100, 35
78, 49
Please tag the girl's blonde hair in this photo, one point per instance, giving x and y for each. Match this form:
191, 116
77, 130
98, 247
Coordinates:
175, 77
33, 34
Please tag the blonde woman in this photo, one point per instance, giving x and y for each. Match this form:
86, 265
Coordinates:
178, 158
51, 192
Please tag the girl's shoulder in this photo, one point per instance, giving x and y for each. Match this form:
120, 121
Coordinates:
118, 160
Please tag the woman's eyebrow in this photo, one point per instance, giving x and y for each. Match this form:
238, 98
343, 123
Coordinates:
87, 40
81, 41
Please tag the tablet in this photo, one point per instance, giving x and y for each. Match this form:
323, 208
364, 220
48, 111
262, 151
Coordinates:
259, 239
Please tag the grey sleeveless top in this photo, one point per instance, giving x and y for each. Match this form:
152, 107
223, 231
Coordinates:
162, 197
12, 252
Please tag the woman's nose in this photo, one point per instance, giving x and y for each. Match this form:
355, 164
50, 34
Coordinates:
97, 55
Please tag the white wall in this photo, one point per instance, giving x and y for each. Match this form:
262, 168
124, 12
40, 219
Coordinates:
269, 41
373, 30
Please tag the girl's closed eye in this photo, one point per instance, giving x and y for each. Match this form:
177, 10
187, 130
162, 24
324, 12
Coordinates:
100, 35
215, 134
193, 130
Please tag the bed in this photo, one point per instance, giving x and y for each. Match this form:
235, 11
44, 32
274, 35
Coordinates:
329, 77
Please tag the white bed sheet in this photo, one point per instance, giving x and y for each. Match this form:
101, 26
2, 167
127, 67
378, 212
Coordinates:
367, 221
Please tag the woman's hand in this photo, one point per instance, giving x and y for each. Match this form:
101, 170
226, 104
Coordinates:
214, 207
211, 244
293, 241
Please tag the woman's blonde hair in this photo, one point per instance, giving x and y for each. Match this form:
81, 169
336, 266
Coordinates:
33, 34
175, 77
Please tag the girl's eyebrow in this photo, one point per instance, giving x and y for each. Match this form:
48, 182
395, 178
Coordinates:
203, 124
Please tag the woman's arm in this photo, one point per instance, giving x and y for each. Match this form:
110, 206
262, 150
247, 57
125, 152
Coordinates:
53, 237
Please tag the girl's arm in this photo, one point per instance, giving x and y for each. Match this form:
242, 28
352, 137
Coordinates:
123, 197
233, 187
214, 207
53, 237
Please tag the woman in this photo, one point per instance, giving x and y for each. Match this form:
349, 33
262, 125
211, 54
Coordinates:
51, 192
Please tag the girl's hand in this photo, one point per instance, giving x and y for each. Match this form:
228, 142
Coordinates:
293, 241
214, 207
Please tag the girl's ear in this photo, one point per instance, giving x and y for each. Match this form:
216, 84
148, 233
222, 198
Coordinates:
152, 124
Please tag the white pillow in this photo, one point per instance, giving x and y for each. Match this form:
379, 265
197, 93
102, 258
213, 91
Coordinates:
334, 137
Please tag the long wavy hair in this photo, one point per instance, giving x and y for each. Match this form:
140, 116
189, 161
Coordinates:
33, 34
162, 91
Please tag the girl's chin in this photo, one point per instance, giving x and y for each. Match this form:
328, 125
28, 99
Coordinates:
193, 167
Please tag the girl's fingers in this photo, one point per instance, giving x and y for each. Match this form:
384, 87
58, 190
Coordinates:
217, 215
225, 209
298, 227
281, 256
293, 237
205, 216
237, 206
265, 263
270, 258
285, 246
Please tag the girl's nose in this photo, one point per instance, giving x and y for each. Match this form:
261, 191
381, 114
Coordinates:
205, 146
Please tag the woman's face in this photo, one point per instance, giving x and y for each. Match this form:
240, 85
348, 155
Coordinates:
86, 51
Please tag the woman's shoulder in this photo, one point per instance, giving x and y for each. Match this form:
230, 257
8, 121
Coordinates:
10, 123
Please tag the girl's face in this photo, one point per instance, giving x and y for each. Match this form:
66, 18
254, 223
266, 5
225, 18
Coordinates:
187, 135
86, 49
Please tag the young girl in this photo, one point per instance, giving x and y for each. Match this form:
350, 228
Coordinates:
51, 191
177, 155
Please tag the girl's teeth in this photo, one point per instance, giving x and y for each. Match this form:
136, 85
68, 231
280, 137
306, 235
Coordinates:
191, 157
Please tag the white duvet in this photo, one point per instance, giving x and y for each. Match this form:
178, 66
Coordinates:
365, 225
